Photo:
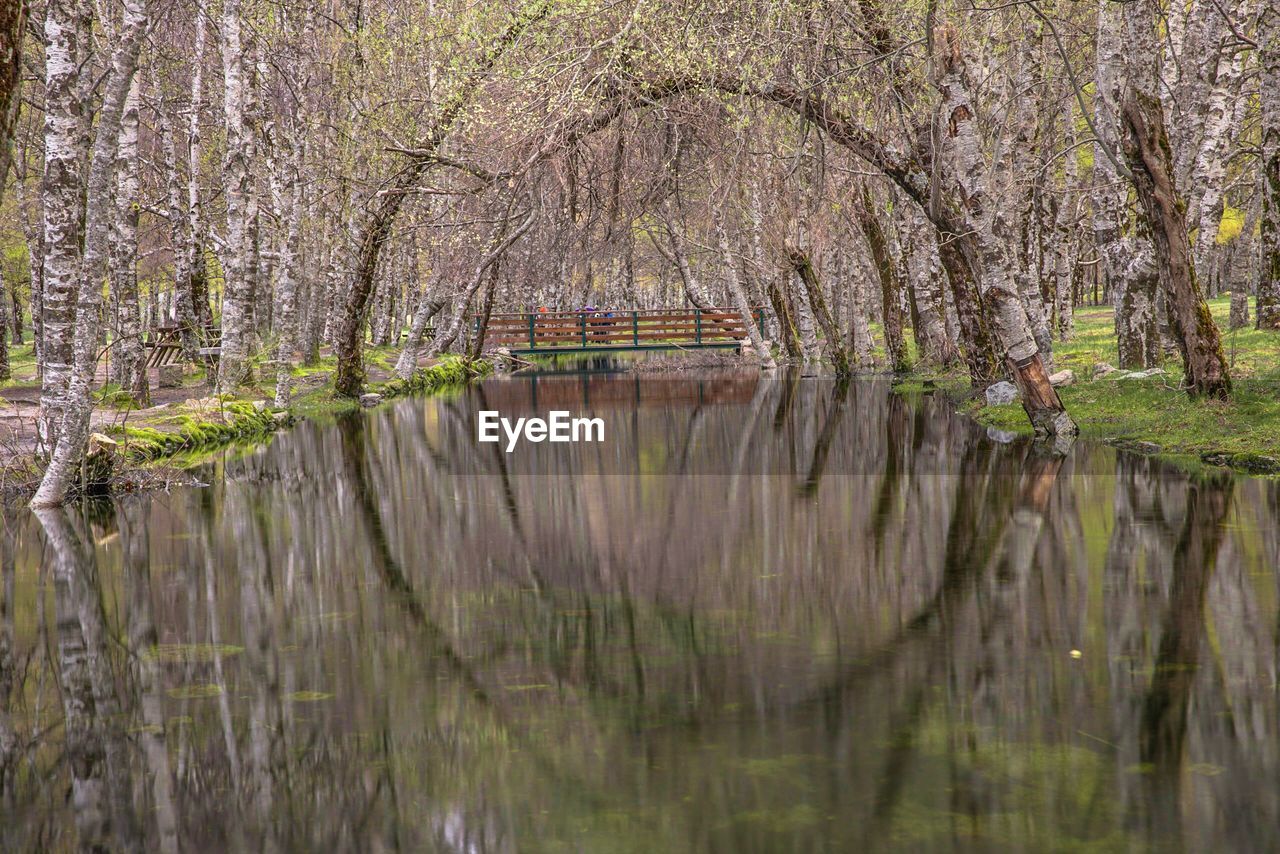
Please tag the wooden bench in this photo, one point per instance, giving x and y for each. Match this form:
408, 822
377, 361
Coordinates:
166, 347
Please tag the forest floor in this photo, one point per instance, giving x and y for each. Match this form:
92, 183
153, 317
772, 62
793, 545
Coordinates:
1155, 415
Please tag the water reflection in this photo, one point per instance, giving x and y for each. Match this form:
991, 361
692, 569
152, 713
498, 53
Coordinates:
852, 623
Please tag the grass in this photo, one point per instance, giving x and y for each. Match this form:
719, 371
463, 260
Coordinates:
1156, 410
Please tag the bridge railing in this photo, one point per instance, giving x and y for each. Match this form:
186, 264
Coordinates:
640, 328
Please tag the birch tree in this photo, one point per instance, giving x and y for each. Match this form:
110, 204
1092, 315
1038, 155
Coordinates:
1146, 145
1268, 300
129, 361
68, 389
237, 298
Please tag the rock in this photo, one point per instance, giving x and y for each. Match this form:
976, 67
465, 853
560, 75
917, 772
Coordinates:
169, 376
1001, 393
1142, 375
1004, 437
1135, 445
370, 399
281, 418
1066, 377
1102, 369
1252, 463
503, 361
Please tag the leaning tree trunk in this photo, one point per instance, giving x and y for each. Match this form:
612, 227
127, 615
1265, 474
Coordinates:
983, 236
73, 433
1268, 300
130, 360
738, 293
813, 289
1146, 146
1021, 181
429, 305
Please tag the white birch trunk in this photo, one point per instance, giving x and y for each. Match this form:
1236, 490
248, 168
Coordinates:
237, 295
738, 293
129, 361
66, 33
73, 433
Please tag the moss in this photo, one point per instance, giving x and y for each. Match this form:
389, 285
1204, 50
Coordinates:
188, 433
449, 372
239, 421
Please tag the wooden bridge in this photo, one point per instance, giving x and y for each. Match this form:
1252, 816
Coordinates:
603, 330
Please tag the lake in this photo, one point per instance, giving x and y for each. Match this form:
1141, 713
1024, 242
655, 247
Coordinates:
764, 614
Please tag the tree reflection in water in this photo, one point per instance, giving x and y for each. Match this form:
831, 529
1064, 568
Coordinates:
764, 614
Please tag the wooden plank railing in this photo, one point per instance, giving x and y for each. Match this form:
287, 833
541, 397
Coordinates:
621, 330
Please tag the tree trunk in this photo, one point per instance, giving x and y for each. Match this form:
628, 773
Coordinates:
1129, 263
1268, 288
286, 311
13, 16
1146, 145
924, 273
129, 358
813, 289
429, 305
1019, 183
890, 287
66, 32
5, 372
76, 403
1221, 128
195, 250
985, 241
237, 290
179, 228
738, 294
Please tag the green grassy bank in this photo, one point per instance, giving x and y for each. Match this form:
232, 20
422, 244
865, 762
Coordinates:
1154, 414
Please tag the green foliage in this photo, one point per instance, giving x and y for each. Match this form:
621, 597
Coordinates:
1231, 225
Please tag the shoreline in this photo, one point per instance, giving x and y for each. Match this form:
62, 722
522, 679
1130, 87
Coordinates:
159, 449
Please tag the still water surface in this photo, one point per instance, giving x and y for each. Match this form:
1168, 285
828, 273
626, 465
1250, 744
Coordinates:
763, 615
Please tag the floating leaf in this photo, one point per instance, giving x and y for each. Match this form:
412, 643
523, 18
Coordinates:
1206, 769
178, 653
195, 692
308, 696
